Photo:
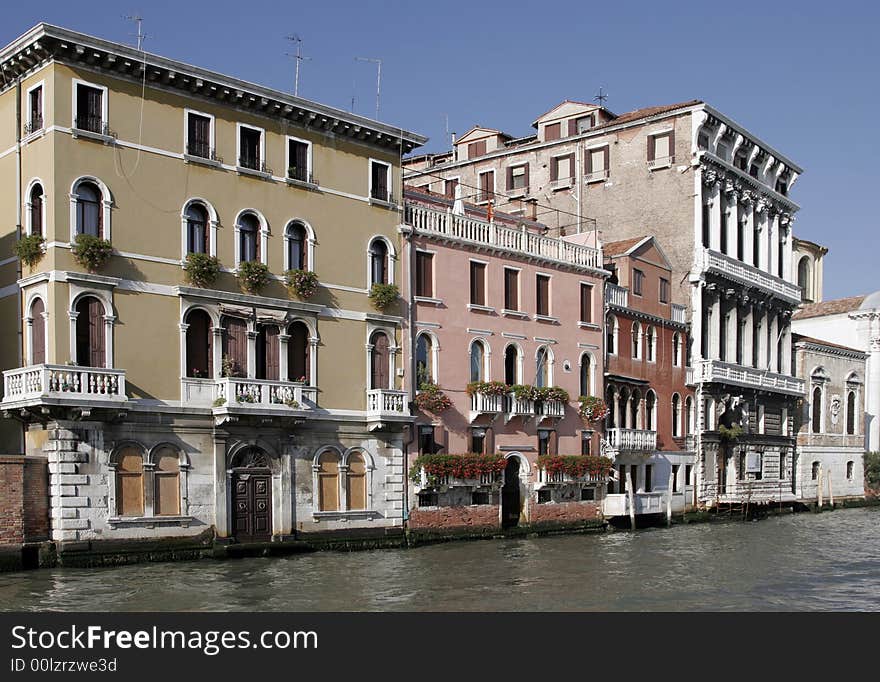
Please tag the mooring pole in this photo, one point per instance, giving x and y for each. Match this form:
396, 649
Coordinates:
830, 490
669, 498
819, 487
631, 498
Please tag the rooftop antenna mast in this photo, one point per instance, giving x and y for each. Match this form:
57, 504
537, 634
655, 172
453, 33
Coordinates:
378, 63
601, 97
299, 59
140, 35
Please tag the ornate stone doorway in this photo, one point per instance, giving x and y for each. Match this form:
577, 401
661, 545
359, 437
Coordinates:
251, 496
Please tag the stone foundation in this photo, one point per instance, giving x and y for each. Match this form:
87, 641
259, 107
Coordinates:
565, 513
471, 518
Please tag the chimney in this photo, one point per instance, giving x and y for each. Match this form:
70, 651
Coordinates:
531, 209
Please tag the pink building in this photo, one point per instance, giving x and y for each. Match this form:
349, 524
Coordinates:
500, 315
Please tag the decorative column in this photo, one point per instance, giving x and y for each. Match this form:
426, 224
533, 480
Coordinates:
732, 321
747, 217
252, 353
773, 358
696, 322
773, 240
761, 360
730, 208
785, 223
715, 322
217, 351
283, 370
109, 321
222, 488
714, 194
72, 314
183, 369
748, 334
761, 217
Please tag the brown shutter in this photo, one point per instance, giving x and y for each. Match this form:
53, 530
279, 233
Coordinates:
356, 482
651, 145
298, 352
552, 444
510, 177
588, 162
130, 483
272, 350
542, 290
510, 293
572, 126
235, 343
478, 283
554, 169
607, 168
379, 362
96, 333
489, 441
586, 303
328, 482
441, 439
424, 274
526, 175
38, 333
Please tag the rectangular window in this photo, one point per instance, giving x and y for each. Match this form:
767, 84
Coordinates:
588, 494
379, 181
449, 187
35, 110
661, 149
476, 149
586, 303
198, 135
429, 499
424, 274
688, 474
583, 124
649, 472
427, 446
675, 469
562, 167
298, 161
543, 442
478, 441
545, 495
487, 185
249, 148
596, 162
89, 108
664, 290
478, 283
542, 295
552, 132
586, 442
480, 497
518, 177
638, 281
511, 289
634, 476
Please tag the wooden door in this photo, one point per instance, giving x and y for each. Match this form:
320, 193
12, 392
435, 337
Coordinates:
252, 505
298, 353
272, 351
235, 345
90, 348
510, 495
38, 333
379, 362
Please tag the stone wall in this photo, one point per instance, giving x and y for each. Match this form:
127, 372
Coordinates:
470, 517
564, 513
24, 500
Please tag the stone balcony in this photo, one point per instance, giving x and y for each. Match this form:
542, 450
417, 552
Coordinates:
446, 481
545, 478
749, 377
512, 407
632, 440
248, 395
743, 273
484, 403
617, 296
63, 385
385, 403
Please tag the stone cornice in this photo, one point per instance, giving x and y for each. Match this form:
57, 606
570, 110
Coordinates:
717, 170
815, 347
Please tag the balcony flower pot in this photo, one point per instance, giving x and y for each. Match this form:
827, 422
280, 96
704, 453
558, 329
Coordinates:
200, 269
301, 283
431, 398
576, 466
464, 466
383, 296
592, 408
253, 276
494, 388
91, 252
30, 249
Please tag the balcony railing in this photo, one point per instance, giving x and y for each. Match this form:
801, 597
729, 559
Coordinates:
748, 274
561, 478
553, 409
63, 381
483, 403
616, 295
690, 378
483, 233
679, 313
639, 440
617, 504
384, 402
202, 150
449, 481
92, 124
715, 370
240, 392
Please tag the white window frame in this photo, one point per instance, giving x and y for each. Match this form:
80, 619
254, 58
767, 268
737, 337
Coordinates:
487, 354
519, 299
211, 133
639, 349
388, 169
615, 331
480, 201
434, 352
213, 223
106, 203
262, 131
263, 236
433, 297
28, 222
29, 112
310, 243
309, 159
391, 260
568, 180
651, 344
105, 101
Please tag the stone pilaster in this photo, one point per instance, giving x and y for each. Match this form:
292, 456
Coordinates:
68, 501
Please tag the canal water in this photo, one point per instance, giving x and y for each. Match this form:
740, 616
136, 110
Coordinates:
828, 561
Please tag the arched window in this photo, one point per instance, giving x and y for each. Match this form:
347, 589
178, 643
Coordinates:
634, 405
586, 378
424, 360
478, 361
804, 279
688, 416
543, 376
676, 415
356, 482
378, 262
35, 209
90, 342
816, 408
249, 238
676, 350
234, 347
167, 482
268, 353
38, 332
611, 401
296, 247
849, 470
611, 334
623, 407
199, 345
328, 481
129, 482
851, 413
380, 375
89, 210
814, 471
197, 235
511, 365
298, 353
650, 411
636, 340
650, 344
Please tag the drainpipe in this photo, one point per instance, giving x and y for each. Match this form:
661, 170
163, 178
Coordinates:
410, 347
18, 232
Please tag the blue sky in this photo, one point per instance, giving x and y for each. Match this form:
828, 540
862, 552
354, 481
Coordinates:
803, 76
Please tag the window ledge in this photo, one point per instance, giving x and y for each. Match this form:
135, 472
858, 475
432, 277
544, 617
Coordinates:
562, 183
303, 184
241, 170
477, 308
547, 318
517, 192
659, 164
382, 203
598, 176
515, 313
201, 160
149, 521
428, 300
30, 137
344, 515
100, 137
587, 325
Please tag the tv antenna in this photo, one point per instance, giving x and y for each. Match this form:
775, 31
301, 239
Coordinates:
601, 97
378, 62
140, 35
299, 59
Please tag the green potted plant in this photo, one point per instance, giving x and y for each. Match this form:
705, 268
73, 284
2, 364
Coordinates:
592, 408
382, 296
30, 249
301, 283
431, 398
200, 269
487, 388
253, 276
730, 434
91, 252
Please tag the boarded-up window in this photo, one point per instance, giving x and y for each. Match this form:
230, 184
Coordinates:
478, 283
234, 347
38, 333
167, 482
130, 483
542, 295
298, 349
328, 481
511, 289
356, 482
90, 333
553, 131
586, 303
424, 274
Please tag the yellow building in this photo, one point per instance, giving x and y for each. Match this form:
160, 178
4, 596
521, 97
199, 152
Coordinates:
172, 395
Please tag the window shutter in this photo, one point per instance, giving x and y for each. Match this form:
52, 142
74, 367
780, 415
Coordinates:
652, 142
510, 177
272, 349
586, 303
38, 333
607, 165
489, 441
96, 333
526, 175
554, 169
588, 162
572, 126
441, 437
552, 444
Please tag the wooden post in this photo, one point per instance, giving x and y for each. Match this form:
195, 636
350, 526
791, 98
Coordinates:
830, 490
631, 497
669, 499
819, 486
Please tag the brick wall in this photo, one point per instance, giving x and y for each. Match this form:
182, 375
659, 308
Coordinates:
564, 512
474, 517
24, 499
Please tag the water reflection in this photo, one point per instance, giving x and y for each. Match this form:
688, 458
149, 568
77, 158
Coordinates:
801, 562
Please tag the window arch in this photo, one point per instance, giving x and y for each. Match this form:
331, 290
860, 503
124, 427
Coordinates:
637, 341
849, 470
814, 471
676, 349
199, 344
816, 410
328, 480
299, 243
356, 482
586, 374
299, 353
512, 364
91, 342
479, 360
611, 334
380, 255
166, 481
804, 278
250, 236
36, 210
651, 410
89, 213
634, 409
676, 415
380, 365
37, 322
611, 401
651, 344
850, 412
688, 416
426, 369
544, 367
197, 231
129, 481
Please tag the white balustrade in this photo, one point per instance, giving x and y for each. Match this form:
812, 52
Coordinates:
748, 274
679, 313
63, 381
483, 403
551, 408
481, 232
239, 392
632, 439
384, 401
616, 295
715, 370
